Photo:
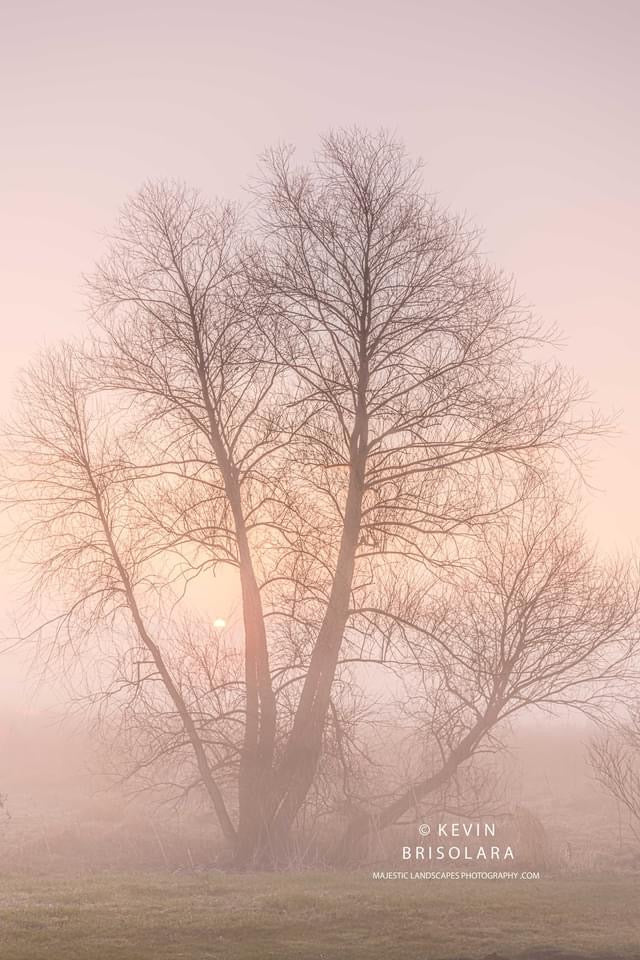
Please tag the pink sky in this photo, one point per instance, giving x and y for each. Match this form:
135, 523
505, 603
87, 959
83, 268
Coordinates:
525, 114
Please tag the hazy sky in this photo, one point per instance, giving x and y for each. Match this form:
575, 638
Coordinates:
526, 114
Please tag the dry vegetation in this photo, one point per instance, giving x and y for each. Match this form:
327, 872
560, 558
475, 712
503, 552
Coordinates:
313, 917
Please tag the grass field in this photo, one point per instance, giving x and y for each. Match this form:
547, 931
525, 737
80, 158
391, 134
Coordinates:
314, 917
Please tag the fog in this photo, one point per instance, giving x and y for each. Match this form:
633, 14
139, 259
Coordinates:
526, 122
61, 814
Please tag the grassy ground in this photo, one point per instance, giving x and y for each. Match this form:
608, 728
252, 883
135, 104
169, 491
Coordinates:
314, 917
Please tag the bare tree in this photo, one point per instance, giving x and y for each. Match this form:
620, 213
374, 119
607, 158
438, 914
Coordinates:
338, 407
534, 620
82, 532
409, 353
180, 324
615, 760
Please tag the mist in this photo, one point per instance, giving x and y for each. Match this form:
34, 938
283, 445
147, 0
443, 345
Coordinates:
318, 459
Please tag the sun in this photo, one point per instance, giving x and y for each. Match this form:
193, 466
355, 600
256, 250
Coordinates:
219, 622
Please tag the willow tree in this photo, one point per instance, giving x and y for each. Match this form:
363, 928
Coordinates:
333, 394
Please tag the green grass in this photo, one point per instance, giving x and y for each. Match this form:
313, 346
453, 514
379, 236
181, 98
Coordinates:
313, 917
